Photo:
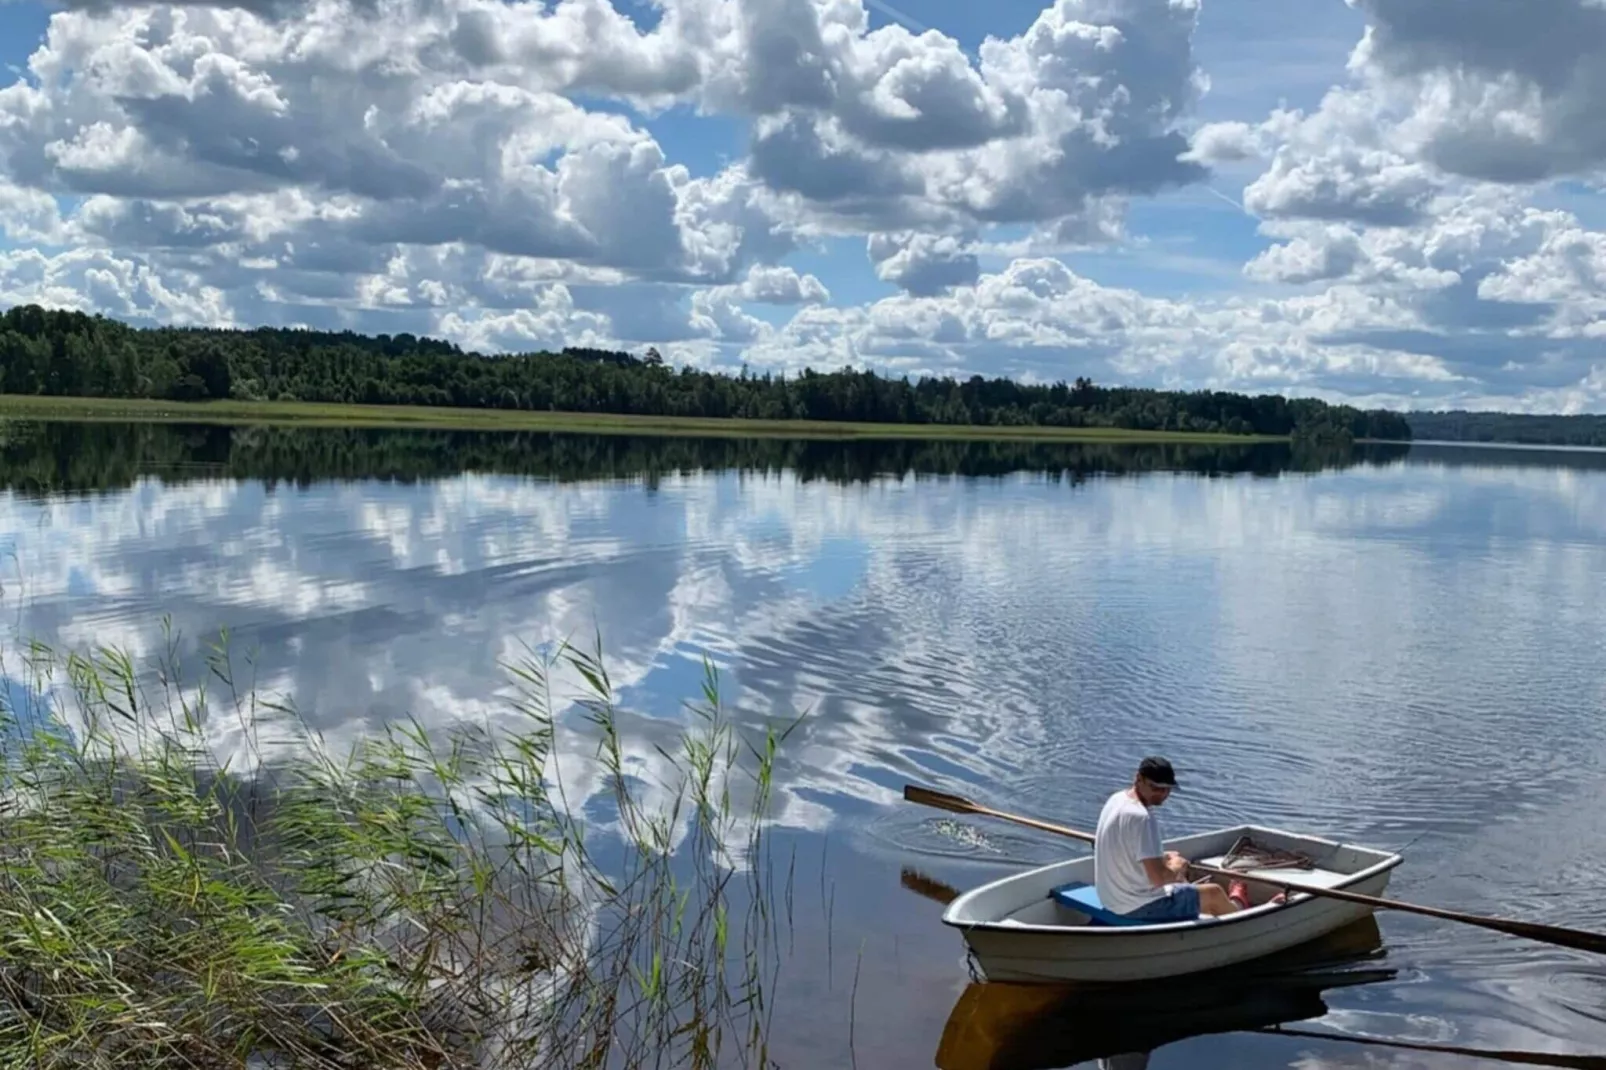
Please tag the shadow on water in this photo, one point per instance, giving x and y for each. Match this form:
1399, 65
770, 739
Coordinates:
1048, 1027
52, 457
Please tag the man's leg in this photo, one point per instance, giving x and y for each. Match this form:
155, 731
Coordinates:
1182, 904
1213, 900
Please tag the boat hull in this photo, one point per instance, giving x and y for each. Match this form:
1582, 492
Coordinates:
1016, 933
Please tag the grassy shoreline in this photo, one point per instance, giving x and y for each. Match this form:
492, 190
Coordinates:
311, 414
425, 900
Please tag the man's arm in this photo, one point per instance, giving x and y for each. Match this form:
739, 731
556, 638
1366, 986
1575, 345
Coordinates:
1163, 867
1162, 871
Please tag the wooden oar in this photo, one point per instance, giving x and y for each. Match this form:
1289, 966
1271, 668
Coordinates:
930, 887
1580, 939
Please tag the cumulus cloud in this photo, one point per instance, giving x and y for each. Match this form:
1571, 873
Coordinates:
433, 159
1490, 299
781, 286
887, 88
923, 264
1085, 104
1225, 142
552, 323
92, 280
1500, 293
1414, 188
1484, 91
1336, 164
28, 216
717, 312
1496, 91
457, 118
498, 174
1038, 320
303, 148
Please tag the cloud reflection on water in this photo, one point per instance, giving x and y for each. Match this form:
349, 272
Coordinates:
1395, 653
933, 627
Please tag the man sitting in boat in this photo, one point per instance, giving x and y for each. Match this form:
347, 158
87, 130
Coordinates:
1133, 876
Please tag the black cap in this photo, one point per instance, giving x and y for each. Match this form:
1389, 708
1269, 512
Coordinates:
1158, 771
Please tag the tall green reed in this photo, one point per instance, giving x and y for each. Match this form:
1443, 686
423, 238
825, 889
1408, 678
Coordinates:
427, 898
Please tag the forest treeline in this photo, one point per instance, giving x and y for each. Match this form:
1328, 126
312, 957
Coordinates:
51, 457
1545, 429
64, 353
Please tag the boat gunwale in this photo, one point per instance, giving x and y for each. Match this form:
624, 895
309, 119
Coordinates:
1390, 860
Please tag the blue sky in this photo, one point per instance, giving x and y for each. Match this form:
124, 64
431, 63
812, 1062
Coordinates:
21, 27
1369, 202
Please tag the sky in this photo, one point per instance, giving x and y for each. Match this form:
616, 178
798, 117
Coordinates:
1391, 203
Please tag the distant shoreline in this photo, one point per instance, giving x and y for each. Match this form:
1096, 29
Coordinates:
1502, 444
317, 414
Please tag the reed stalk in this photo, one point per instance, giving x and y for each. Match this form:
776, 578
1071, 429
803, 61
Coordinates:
424, 899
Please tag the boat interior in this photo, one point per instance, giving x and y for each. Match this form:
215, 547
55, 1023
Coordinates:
1052, 895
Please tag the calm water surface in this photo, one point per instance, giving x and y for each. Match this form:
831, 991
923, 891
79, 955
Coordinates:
1403, 647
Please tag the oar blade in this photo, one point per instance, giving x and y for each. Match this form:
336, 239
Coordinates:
941, 800
930, 887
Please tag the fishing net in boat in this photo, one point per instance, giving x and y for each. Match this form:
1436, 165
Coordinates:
1248, 853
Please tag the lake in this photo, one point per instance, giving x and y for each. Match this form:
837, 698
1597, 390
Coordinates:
1395, 645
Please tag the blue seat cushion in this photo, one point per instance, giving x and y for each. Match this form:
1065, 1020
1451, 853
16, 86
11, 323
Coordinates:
1085, 899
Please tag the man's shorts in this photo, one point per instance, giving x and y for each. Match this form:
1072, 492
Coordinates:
1180, 904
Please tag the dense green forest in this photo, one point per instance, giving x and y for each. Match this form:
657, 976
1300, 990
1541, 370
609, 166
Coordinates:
57, 456
63, 353
1538, 430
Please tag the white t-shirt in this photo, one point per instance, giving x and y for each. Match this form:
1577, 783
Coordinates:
1127, 834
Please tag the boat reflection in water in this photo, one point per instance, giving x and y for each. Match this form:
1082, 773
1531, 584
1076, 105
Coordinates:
1003, 1026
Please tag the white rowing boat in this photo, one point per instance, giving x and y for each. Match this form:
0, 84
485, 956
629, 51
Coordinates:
1046, 924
